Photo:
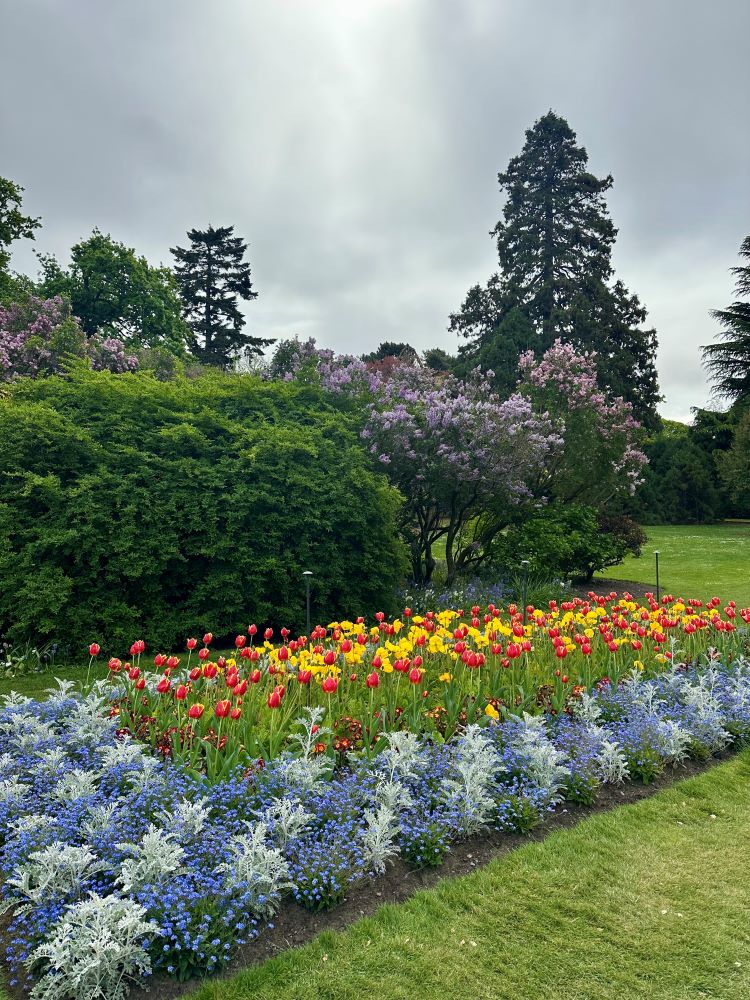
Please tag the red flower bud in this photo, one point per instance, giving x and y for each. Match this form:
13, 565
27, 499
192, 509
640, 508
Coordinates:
252, 630
207, 638
267, 634
274, 699
283, 653
94, 649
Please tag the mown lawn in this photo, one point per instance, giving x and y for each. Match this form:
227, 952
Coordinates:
694, 561
645, 901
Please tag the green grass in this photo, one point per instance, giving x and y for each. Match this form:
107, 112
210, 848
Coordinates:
645, 901
694, 561
34, 685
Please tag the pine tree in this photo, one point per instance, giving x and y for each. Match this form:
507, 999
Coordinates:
728, 362
212, 278
554, 247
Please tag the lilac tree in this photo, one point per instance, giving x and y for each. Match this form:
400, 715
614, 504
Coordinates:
600, 457
37, 335
466, 461
460, 456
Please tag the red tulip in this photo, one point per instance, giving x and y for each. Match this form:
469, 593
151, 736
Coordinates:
134, 673
181, 693
254, 677
235, 713
164, 685
586, 649
159, 660
268, 633
513, 651
140, 684
196, 711
252, 630
415, 675
173, 662
240, 641
373, 679
377, 661
114, 664
561, 652
239, 689
283, 653
195, 673
330, 658
330, 684
346, 646
192, 643
304, 676
207, 638
274, 699
222, 709
94, 649
210, 670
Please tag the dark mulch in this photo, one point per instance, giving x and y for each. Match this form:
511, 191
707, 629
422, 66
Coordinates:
295, 926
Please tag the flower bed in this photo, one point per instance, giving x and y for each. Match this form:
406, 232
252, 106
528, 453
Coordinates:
118, 862
432, 674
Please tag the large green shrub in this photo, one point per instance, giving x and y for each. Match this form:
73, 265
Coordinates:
130, 506
569, 540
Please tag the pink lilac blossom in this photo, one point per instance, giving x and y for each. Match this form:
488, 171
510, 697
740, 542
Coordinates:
37, 335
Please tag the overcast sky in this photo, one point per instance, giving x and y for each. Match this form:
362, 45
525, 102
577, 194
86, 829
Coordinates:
356, 144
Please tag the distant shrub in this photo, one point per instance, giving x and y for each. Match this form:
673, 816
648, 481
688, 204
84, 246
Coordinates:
569, 540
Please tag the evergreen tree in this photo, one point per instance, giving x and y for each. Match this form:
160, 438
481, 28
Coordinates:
554, 247
728, 362
213, 278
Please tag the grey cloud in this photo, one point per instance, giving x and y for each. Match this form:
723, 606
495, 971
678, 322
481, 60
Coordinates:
356, 145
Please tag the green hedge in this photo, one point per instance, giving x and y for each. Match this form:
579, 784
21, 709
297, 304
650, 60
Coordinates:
131, 507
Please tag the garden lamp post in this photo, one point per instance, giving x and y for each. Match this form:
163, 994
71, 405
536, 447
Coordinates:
524, 586
307, 574
658, 589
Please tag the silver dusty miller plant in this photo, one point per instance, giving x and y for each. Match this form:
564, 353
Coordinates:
153, 859
308, 769
475, 766
257, 868
96, 948
52, 872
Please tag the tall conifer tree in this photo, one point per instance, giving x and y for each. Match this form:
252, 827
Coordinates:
213, 278
728, 361
554, 245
